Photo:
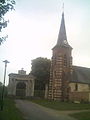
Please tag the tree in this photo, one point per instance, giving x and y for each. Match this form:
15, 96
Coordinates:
5, 6
41, 71
1, 84
1, 87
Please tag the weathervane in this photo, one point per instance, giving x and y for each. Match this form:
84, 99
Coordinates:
63, 8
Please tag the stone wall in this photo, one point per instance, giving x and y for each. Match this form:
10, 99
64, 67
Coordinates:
15, 79
80, 87
79, 96
79, 92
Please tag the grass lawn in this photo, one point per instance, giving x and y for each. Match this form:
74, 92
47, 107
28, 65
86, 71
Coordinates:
81, 115
10, 112
57, 105
63, 106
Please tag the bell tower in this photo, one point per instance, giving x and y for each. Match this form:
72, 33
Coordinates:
61, 66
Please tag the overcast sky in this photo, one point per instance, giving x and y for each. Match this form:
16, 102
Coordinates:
33, 30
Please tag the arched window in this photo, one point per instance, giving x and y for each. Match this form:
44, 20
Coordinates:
21, 89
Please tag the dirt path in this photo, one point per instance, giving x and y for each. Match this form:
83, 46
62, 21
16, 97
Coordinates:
32, 111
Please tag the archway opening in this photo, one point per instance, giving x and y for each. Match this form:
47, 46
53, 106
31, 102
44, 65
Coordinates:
21, 89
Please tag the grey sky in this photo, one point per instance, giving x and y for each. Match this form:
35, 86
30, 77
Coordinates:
34, 28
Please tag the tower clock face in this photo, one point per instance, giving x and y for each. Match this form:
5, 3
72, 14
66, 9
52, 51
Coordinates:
65, 41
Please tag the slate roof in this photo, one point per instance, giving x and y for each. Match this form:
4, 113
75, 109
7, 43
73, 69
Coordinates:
62, 37
62, 33
80, 75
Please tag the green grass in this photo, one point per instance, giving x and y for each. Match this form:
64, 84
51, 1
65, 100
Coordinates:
57, 105
81, 115
10, 112
63, 106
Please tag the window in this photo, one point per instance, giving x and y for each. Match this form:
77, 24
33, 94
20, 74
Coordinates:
54, 60
12, 79
76, 87
89, 86
65, 60
55, 73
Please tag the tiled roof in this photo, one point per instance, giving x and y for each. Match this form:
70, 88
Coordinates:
81, 75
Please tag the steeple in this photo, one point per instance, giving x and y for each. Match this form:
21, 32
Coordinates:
62, 33
62, 37
61, 66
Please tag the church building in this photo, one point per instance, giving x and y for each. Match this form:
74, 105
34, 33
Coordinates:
67, 82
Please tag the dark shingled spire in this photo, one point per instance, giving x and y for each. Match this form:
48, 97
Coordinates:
62, 33
62, 37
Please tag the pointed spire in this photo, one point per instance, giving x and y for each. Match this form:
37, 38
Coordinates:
62, 38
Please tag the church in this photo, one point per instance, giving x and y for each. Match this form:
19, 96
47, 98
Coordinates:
67, 82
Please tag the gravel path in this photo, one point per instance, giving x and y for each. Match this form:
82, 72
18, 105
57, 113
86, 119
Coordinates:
32, 111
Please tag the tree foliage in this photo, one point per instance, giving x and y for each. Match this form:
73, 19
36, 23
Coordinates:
5, 6
41, 71
5, 90
1, 84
